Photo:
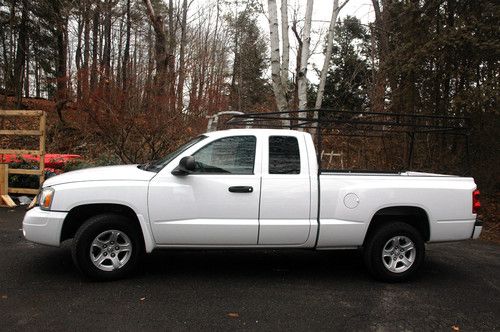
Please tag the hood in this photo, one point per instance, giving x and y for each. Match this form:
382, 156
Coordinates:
107, 173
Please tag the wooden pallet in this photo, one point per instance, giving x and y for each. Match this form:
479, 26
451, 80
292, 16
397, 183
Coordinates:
5, 171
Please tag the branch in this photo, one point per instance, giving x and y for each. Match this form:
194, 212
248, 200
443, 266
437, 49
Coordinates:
342, 5
294, 29
156, 20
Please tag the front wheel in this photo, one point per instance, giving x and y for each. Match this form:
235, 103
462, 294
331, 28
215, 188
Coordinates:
107, 247
394, 252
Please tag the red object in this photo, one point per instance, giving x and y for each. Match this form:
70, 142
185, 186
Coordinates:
52, 161
476, 204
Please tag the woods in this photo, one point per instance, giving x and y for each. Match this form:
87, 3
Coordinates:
133, 79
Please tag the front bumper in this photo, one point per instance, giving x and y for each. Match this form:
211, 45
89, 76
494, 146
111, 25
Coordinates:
478, 227
43, 226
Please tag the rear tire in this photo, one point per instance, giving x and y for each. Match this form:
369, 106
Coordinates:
394, 252
107, 247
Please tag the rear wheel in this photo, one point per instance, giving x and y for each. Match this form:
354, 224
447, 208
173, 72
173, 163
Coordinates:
394, 252
107, 247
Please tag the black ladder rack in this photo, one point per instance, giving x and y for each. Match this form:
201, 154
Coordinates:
333, 122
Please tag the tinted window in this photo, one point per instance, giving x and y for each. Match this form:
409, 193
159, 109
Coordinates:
284, 156
234, 155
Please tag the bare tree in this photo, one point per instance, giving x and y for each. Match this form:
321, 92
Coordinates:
285, 51
126, 52
383, 76
86, 47
106, 58
95, 44
328, 53
182, 51
20, 62
276, 71
60, 17
304, 57
172, 45
160, 47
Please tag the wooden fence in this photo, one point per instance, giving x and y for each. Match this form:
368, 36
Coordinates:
40, 118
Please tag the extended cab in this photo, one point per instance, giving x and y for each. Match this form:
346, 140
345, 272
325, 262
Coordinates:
250, 188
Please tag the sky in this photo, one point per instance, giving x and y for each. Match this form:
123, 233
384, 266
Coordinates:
322, 13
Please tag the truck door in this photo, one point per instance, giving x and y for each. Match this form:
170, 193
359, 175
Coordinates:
285, 192
217, 204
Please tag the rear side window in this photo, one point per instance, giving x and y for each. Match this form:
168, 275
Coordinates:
284, 156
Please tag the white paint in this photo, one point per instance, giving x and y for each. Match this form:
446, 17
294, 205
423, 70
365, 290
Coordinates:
43, 226
198, 211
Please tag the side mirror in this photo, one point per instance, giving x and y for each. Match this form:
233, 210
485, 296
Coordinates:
186, 166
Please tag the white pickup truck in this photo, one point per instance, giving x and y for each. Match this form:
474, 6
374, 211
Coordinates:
250, 188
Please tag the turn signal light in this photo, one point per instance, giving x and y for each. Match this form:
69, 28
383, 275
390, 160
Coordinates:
476, 204
45, 198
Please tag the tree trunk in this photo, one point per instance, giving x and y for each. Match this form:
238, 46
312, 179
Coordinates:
106, 56
27, 70
377, 89
6, 62
285, 44
36, 71
118, 57
86, 49
328, 53
381, 18
9, 44
304, 57
234, 93
126, 55
160, 48
171, 56
78, 58
180, 83
19, 65
278, 89
61, 69
95, 46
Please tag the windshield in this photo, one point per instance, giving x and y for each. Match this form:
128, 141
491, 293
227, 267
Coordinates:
157, 165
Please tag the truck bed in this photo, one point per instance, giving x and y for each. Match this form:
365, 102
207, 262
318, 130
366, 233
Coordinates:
349, 201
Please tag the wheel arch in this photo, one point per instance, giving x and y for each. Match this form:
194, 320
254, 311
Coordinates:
81, 213
412, 215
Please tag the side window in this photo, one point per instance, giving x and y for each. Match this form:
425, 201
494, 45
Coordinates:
284, 156
232, 155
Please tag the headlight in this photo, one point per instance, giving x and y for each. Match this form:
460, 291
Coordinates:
45, 198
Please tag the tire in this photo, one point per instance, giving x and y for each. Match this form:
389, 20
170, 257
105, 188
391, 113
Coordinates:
115, 243
394, 252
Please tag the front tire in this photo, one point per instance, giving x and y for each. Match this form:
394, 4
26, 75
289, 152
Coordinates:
394, 252
107, 247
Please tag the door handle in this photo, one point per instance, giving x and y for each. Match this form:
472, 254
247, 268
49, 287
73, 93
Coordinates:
241, 189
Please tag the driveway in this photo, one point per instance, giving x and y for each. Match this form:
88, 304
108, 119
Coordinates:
458, 287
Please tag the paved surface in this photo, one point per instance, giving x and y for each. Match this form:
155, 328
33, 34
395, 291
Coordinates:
253, 290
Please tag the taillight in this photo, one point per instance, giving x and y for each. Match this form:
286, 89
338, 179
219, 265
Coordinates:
475, 201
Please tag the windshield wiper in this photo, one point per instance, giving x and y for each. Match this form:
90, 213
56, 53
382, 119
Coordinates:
144, 166
150, 167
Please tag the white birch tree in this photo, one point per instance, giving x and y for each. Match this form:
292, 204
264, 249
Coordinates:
302, 74
285, 44
276, 69
328, 53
